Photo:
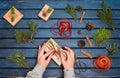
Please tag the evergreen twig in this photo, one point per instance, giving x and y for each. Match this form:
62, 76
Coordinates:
22, 36
19, 59
112, 49
105, 15
12, 10
70, 10
101, 36
58, 48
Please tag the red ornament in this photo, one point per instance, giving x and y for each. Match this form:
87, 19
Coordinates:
63, 28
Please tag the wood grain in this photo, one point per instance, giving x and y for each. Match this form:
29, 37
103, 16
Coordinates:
30, 10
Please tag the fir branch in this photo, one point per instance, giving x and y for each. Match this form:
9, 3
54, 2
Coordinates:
12, 10
12, 19
101, 36
32, 27
51, 43
19, 59
58, 49
49, 9
22, 36
106, 15
70, 10
19, 36
112, 49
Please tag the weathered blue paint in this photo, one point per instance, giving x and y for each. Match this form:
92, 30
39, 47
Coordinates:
30, 9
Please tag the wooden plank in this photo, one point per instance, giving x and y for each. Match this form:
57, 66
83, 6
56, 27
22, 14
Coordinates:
58, 73
33, 14
52, 65
24, 24
8, 42
47, 33
11, 43
32, 53
60, 4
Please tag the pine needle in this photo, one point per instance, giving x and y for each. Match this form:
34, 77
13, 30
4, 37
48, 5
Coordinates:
70, 10
112, 49
19, 36
12, 19
12, 10
105, 15
19, 59
22, 36
101, 36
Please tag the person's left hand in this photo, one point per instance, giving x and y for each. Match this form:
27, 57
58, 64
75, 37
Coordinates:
44, 59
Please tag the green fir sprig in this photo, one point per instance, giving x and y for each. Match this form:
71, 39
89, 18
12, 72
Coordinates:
101, 35
19, 59
55, 47
49, 9
19, 36
112, 49
12, 10
70, 10
105, 15
23, 37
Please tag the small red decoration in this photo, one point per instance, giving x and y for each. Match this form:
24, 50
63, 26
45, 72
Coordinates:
102, 63
62, 28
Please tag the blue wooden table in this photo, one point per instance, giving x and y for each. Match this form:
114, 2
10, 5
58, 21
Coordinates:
30, 10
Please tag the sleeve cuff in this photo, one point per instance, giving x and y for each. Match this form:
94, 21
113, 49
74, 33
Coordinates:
38, 68
37, 72
69, 73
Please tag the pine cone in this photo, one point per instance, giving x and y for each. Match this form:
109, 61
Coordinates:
89, 26
79, 8
81, 43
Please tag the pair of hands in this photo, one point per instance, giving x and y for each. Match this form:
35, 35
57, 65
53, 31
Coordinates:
44, 59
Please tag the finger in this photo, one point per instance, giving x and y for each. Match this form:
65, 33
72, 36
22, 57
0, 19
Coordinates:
67, 48
62, 59
39, 51
70, 50
64, 55
48, 53
67, 54
43, 48
49, 57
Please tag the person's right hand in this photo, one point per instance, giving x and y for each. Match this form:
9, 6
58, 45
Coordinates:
44, 59
68, 60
